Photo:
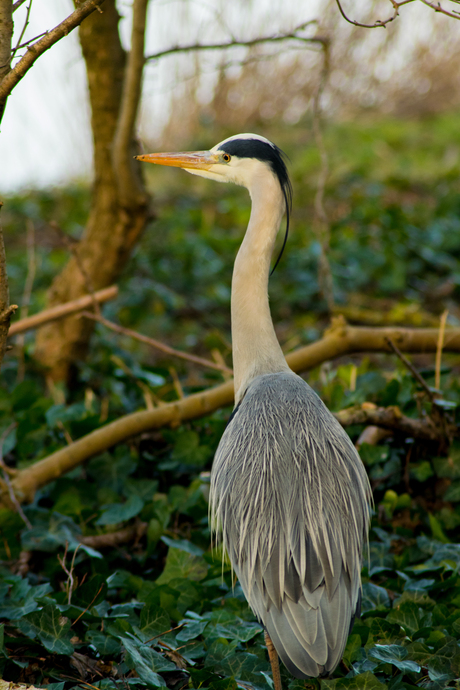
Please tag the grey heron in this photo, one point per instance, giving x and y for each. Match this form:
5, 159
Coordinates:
288, 490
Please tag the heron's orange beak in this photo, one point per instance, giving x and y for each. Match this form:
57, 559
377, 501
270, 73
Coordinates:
195, 160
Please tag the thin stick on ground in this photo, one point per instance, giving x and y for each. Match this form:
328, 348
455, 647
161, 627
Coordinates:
156, 343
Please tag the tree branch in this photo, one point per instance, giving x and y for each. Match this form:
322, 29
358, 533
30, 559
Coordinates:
156, 343
34, 51
391, 418
62, 310
339, 340
378, 22
18, 4
6, 36
289, 35
436, 6
127, 170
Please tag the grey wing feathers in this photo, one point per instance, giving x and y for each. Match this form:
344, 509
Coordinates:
291, 497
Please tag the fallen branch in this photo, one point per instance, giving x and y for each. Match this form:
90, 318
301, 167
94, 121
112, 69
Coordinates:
339, 340
391, 418
62, 310
157, 344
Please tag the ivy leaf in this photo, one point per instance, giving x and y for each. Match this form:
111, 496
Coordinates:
382, 630
154, 621
394, 654
106, 645
352, 649
181, 564
191, 630
51, 627
146, 663
121, 512
374, 597
407, 615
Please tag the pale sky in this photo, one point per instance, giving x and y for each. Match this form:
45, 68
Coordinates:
45, 136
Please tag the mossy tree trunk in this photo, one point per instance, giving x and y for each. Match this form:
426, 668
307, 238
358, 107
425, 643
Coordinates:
119, 210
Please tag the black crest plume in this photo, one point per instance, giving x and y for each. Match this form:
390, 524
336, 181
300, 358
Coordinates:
268, 153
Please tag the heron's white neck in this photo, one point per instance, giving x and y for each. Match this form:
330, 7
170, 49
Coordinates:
256, 349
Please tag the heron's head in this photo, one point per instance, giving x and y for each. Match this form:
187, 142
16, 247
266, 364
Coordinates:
242, 159
248, 160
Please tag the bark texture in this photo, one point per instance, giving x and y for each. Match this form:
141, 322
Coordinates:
6, 35
116, 220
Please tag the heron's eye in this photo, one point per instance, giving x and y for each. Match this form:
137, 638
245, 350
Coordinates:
226, 157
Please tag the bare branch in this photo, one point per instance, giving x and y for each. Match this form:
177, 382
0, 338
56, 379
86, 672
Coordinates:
156, 343
34, 51
288, 35
436, 6
26, 24
62, 310
378, 22
125, 167
31, 40
18, 4
391, 418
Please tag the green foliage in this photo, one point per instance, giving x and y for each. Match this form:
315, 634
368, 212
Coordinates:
163, 609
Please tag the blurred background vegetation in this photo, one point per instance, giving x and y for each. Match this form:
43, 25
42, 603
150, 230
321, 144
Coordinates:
391, 129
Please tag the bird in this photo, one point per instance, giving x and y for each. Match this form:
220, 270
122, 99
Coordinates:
289, 493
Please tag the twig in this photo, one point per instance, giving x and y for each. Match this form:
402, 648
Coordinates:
26, 23
412, 369
378, 22
321, 225
177, 384
31, 40
436, 6
155, 343
70, 584
442, 328
164, 633
125, 167
18, 4
289, 35
34, 51
91, 602
62, 310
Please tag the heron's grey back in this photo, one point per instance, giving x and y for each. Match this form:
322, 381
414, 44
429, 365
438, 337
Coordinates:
291, 497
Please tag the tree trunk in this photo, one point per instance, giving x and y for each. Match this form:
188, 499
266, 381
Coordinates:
118, 216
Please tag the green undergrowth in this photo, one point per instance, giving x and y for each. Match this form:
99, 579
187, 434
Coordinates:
156, 606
